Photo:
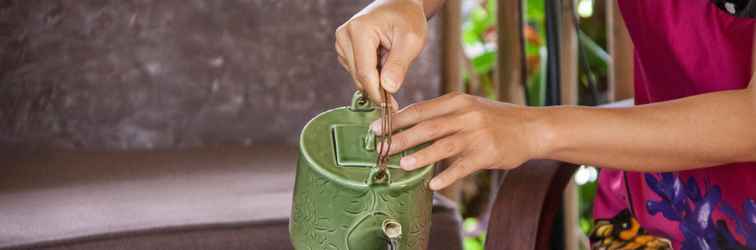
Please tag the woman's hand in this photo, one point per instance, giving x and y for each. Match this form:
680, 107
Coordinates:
395, 29
474, 132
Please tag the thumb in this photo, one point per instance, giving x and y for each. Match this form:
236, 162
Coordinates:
399, 58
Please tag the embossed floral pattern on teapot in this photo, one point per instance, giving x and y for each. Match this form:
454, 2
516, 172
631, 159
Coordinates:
340, 202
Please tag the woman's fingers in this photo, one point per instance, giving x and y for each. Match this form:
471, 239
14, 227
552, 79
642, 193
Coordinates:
345, 63
441, 149
383, 38
346, 54
425, 110
365, 45
461, 167
403, 51
423, 132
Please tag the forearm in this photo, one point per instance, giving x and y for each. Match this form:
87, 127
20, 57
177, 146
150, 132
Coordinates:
693, 132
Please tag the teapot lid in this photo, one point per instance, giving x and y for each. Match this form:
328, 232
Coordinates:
339, 145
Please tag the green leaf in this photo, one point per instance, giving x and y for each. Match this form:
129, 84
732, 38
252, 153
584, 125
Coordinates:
593, 49
470, 38
485, 62
488, 88
479, 21
586, 225
530, 49
534, 10
472, 244
470, 224
537, 84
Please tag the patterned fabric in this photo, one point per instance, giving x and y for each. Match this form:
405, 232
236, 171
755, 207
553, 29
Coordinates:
693, 208
685, 48
623, 232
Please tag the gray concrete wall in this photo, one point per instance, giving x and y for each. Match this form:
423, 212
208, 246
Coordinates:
142, 74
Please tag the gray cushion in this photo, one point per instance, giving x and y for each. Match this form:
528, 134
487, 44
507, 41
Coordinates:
216, 198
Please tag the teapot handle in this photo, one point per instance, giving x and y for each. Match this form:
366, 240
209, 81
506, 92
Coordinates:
378, 177
360, 103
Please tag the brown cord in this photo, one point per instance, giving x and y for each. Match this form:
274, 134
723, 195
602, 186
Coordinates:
383, 155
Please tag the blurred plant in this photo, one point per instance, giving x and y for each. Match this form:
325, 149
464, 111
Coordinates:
585, 178
476, 238
479, 47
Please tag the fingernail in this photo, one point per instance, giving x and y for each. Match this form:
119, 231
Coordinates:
376, 127
389, 85
434, 184
407, 162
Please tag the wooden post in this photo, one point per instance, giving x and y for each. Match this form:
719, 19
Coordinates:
621, 50
569, 54
451, 39
509, 73
509, 44
568, 43
571, 216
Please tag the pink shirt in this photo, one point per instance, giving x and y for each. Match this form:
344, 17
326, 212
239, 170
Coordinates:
685, 48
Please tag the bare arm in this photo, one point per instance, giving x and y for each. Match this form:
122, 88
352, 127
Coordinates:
476, 133
698, 131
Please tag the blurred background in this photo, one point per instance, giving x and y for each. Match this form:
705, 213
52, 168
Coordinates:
193, 76
590, 21
147, 74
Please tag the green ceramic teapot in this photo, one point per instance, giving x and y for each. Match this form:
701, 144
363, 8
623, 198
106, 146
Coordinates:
340, 200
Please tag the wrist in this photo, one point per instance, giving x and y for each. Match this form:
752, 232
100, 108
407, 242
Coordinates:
544, 132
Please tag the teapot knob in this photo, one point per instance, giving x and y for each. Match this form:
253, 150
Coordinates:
360, 103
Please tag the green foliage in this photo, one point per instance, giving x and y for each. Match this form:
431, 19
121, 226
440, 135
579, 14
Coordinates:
473, 242
586, 192
485, 62
586, 224
479, 25
480, 20
537, 83
596, 58
536, 79
534, 11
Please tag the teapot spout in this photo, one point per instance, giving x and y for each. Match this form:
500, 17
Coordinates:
392, 230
